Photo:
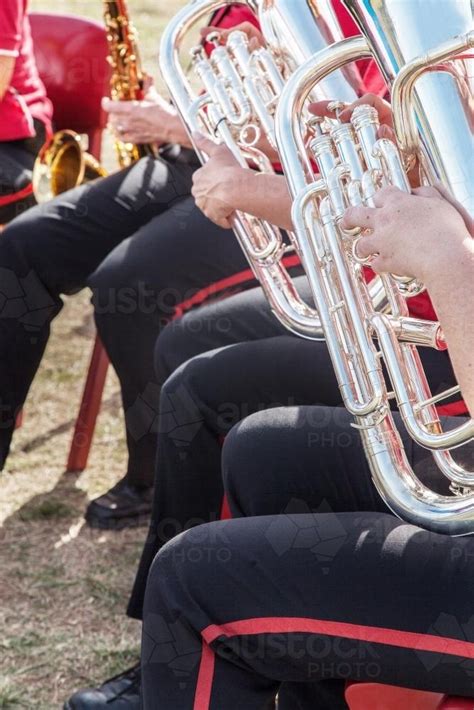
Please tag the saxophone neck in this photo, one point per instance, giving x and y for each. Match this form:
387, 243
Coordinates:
128, 78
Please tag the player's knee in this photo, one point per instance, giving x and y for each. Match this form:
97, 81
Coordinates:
243, 460
170, 350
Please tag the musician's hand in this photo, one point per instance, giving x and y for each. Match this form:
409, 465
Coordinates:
214, 183
444, 192
383, 108
152, 120
254, 35
407, 234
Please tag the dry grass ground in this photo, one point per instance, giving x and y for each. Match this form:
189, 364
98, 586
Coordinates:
63, 587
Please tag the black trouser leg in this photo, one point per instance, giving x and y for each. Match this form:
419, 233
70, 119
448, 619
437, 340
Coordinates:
53, 248
228, 617
137, 290
17, 159
314, 466
188, 487
243, 317
305, 597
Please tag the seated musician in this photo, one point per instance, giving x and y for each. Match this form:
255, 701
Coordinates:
138, 241
25, 111
337, 588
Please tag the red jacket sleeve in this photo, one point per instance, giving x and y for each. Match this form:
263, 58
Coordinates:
11, 22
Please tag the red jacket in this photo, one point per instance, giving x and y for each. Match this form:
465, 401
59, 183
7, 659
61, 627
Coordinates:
25, 98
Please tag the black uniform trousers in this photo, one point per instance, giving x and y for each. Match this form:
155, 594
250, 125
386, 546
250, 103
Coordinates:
208, 394
334, 587
17, 159
137, 239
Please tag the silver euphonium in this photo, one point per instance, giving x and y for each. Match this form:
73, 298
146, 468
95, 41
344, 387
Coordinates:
234, 101
422, 48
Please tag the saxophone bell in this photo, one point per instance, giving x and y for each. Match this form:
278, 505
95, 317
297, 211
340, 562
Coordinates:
61, 165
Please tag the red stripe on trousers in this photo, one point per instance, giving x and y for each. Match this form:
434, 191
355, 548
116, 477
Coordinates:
230, 281
454, 409
16, 196
284, 625
225, 509
202, 700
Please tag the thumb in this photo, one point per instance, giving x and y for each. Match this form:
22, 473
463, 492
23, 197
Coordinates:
148, 83
205, 144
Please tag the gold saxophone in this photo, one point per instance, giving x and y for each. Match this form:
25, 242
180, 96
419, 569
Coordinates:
62, 163
128, 78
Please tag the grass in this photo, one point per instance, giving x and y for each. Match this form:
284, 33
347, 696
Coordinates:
64, 587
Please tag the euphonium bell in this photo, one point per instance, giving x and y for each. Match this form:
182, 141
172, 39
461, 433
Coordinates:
63, 164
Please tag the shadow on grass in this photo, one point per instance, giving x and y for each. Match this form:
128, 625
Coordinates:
110, 404
63, 600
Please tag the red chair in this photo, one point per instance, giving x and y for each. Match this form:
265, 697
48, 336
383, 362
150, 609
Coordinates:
71, 53
374, 696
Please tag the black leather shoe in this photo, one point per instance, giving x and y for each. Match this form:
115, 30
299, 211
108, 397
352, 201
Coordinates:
124, 506
122, 692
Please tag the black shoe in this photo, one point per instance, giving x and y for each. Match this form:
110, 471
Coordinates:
124, 506
122, 692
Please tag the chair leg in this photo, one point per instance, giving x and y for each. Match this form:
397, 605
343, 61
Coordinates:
89, 409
